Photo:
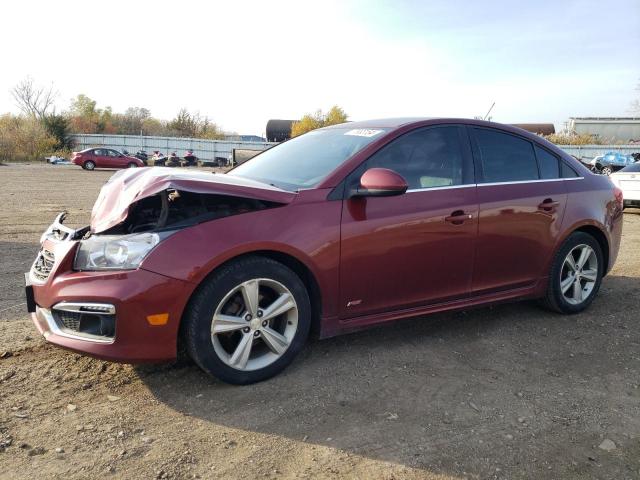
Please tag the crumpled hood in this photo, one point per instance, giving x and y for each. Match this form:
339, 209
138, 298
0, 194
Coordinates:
132, 184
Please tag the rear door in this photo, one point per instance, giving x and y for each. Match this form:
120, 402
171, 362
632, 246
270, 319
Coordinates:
418, 248
522, 199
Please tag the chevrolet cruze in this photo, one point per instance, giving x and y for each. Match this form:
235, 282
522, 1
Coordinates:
341, 228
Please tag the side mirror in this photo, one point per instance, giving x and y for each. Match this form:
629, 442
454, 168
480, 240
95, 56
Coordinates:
380, 182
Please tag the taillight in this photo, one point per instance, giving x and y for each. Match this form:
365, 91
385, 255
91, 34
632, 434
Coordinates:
617, 192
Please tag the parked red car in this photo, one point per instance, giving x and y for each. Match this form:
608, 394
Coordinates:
91, 158
341, 228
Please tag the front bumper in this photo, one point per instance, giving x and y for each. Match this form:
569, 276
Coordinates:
135, 295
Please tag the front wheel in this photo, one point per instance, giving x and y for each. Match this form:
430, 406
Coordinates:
248, 321
132, 165
607, 170
576, 274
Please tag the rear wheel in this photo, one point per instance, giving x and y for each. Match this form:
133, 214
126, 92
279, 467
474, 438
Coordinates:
89, 165
607, 170
576, 274
248, 321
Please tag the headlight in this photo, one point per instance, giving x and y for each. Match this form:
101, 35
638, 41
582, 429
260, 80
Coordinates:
115, 252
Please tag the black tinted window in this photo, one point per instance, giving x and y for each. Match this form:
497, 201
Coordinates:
430, 157
548, 164
567, 171
505, 158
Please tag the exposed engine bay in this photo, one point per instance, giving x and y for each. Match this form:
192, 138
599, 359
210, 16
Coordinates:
172, 209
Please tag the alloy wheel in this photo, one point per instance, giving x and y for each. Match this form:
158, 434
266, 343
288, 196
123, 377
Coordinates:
579, 274
254, 324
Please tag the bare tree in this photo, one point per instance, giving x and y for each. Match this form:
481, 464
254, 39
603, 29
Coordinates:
34, 100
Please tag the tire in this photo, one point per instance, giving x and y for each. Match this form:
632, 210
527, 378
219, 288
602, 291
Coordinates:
223, 294
607, 170
132, 165
561, 273
89, 165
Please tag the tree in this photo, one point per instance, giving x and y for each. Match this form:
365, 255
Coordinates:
192, 125
32, 100
335, 116
311, 121
57, 126
83, 106
131, 121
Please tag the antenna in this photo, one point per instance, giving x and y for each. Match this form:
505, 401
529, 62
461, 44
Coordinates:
487, 115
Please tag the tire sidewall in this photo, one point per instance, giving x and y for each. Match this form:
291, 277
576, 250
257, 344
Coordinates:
577, 238
205, 302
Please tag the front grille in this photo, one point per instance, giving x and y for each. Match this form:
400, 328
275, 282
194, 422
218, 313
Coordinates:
70, 320
43, 265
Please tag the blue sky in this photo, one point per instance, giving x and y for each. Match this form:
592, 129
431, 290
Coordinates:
242, 63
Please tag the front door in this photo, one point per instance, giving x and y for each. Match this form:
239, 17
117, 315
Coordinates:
417, 248
522, 200
101, 158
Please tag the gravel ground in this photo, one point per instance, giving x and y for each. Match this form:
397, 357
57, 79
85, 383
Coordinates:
508, 392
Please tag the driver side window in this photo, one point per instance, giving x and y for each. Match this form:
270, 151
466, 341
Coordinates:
426, 158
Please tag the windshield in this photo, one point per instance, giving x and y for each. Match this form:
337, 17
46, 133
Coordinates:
634, 167
304, 161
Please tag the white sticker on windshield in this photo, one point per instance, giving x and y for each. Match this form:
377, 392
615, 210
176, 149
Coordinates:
363, 132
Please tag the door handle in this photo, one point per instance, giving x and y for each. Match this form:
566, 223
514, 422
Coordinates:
458, 217
548, 205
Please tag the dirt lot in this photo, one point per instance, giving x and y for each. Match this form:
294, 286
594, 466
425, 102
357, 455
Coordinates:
506, 392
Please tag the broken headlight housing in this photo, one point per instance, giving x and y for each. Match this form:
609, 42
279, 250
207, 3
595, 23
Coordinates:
115, 252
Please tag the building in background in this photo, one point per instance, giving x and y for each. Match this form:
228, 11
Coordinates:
614, 129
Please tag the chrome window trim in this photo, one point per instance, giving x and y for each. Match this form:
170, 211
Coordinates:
444, 187
448, 187
46, 315
518, 182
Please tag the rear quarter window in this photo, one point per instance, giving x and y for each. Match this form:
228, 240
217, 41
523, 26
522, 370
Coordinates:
548, 163
567, 171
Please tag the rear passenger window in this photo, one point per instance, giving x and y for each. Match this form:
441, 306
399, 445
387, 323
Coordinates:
548, 164
567, 171
426, 158
505, 158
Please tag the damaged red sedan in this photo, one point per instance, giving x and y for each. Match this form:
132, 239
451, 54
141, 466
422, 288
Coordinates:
338, 229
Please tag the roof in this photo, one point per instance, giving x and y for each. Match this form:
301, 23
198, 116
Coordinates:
382, 122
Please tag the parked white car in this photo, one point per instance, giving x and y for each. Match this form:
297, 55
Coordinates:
628, 180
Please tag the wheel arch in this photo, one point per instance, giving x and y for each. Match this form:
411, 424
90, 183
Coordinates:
597, 232
296, 265
602, 240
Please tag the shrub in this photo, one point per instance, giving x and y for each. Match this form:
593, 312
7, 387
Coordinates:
315, 120
575, 139
24, 139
